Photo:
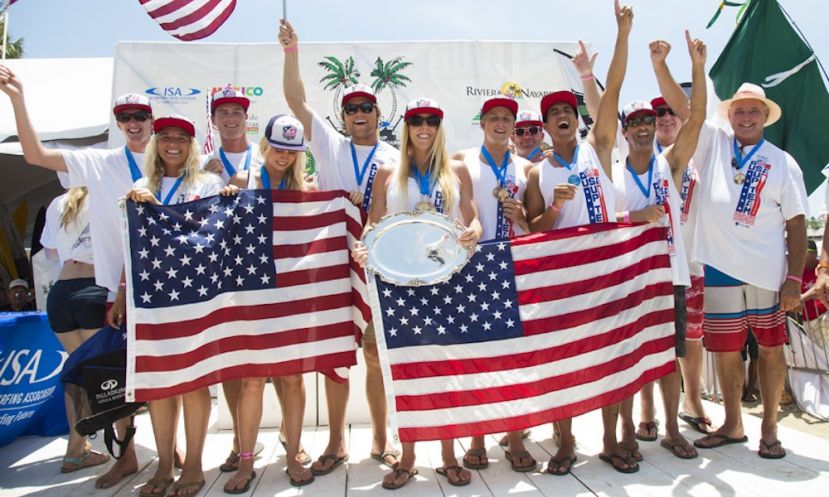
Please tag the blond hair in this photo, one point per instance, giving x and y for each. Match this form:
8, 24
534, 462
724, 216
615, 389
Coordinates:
75, 199
295, 176
438, 164
153, 167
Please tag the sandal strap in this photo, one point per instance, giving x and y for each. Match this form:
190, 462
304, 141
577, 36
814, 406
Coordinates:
77, 461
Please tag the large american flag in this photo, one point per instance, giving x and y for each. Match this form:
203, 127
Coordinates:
260, 284
534, 329
189, 20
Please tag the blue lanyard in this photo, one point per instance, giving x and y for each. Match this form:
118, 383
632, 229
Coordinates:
360, 173
536, 150
742, 161
231, 171
135, 172
172, 192
266, 180
658, 146
645, 191
423, 181
568, 165
499, 172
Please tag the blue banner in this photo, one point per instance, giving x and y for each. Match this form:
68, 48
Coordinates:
31, 394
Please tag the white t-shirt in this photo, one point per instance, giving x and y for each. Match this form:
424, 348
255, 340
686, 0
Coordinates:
205, 185
688, 193
396, 203
661, 191
595, 197
106, 174
741, 226
335, 167
73, 241
483, 184
237, 160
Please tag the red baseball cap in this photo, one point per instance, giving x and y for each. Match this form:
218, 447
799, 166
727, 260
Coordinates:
423, 105
500, 101
229, 95
659, 102
358, 91
132, 101
558, 97
175, 121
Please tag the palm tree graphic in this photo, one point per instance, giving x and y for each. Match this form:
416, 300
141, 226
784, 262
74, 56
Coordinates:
340, 75
389, 75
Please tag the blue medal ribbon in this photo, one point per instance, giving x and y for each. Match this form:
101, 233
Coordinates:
135, 171
424, 181
265, 177
502, 224
231, 171
658, 146
536, 151
172, 192
645, 191
360, 172
568, 165
742, 161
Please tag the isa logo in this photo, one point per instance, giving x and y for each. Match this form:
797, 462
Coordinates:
172, 94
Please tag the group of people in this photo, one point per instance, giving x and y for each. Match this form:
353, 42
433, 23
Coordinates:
731, 202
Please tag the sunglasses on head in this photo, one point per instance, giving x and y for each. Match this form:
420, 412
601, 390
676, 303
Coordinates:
140, 116
532, 130
638, 121
431, 121
365, 108
661, 111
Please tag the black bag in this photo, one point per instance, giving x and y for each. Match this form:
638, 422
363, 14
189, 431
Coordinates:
99, 366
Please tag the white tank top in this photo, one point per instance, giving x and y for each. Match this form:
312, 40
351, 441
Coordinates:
396, 203
483, 184
595, 198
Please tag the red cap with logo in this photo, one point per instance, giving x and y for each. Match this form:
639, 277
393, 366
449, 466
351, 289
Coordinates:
558, 97
175, 121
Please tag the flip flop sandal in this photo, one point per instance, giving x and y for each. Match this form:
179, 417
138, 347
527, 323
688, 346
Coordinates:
647, 427
325, 458
633, 450
768, 447
480, 453
444, 471
558, 463
182, 485
387, 453
673, 445
231, 464
397, 472
612, 458
520, 454
244, 489
162, 484
504, 442
696, 423
299, 483
78, 462
718, 441
302, 457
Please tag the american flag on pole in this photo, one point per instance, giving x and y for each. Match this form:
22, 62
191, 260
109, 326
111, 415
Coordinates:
532, 330
261, 284
189, 20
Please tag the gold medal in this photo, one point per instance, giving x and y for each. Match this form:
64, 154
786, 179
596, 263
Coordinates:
739, 178
424, 205
500, 193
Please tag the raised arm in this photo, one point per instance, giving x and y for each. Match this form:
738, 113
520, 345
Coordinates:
603, 134
668, 87
33, 151
292, 83
686, 140
583, 62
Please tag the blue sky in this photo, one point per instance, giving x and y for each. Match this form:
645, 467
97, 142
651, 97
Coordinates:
90, 28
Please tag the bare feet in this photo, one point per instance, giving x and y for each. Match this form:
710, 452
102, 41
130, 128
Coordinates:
127, 465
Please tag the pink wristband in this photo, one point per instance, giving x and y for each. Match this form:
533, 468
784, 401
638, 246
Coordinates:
555, 209
587, 78
626, 217
794, 278
290, 49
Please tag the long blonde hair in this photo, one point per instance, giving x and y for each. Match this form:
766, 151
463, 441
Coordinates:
153, 167
75, 200
439, 164
295, 176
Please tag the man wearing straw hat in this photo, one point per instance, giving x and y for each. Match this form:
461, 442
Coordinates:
751, 216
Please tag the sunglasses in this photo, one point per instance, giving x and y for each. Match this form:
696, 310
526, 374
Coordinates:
140, 116
638, 121
532, 130
365, 108
661, 111
431, 121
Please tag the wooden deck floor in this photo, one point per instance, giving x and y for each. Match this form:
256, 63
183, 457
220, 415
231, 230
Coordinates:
29, 466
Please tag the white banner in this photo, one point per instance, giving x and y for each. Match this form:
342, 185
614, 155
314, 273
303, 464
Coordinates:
460, 75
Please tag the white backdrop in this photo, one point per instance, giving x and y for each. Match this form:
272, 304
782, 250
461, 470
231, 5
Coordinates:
179, 78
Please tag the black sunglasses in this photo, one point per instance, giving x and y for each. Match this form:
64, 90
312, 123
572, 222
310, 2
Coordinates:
124, 117
661, 111
638, 121
431, 121
532, 130
365, 108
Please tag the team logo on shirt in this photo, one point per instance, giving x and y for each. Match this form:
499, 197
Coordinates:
593, 195
749, 202
661, 188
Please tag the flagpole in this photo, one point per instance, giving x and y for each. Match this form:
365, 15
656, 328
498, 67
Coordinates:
5, 30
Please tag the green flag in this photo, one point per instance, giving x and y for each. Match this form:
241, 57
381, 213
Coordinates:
765, 49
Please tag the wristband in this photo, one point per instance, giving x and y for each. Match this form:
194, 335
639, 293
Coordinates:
821, 265
123, 285
794, 278
290, 49
555, 209
626, 217
587, 78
